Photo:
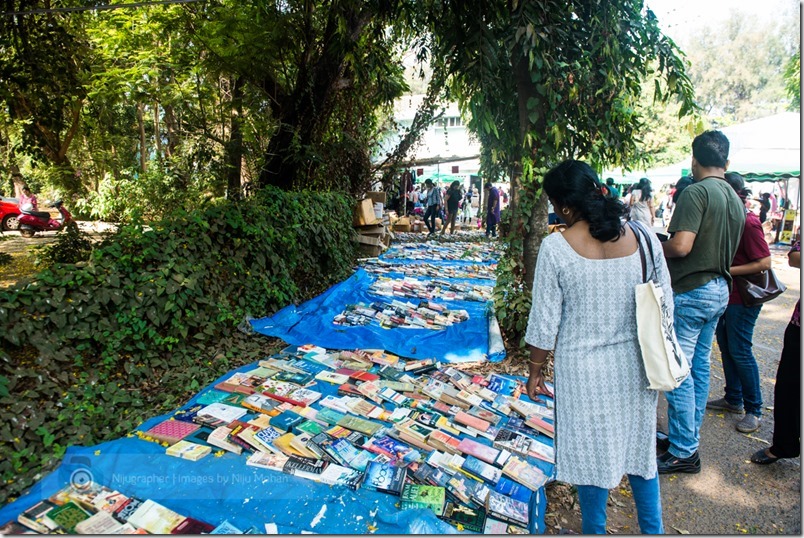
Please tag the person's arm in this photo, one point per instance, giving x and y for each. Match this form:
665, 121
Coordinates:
650, 207
535, 385
751, 268
679, 245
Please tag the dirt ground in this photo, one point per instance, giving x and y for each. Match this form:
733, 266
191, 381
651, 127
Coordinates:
731, 495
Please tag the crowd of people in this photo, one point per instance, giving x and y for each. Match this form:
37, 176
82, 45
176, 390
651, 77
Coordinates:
607, 430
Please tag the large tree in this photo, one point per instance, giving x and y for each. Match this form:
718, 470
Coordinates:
552, 79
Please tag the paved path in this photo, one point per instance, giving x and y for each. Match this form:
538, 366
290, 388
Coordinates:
731, 495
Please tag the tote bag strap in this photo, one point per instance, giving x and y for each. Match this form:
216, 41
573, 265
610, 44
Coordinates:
641, 233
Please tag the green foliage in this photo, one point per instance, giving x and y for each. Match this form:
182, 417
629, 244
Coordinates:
71, 246
135, 327
792, 77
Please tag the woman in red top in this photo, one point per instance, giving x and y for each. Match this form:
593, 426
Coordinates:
735, 329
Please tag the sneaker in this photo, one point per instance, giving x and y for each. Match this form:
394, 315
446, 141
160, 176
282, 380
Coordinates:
749, 423
667, 463
722, 405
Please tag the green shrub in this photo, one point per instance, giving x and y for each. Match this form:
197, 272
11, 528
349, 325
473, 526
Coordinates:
90, 350
71, 246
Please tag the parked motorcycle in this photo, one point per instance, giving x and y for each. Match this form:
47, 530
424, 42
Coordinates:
40, 221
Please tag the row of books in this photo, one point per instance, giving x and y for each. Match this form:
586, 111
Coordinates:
478, 252
432, 289
467, 271
92, 508
394, 423
390, 315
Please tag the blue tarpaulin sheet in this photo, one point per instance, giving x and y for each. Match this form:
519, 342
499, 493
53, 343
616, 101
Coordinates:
311, 323
215, 489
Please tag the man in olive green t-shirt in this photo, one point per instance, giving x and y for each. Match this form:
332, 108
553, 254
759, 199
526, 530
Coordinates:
706, 228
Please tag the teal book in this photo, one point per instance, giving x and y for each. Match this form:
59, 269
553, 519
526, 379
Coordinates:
422, 496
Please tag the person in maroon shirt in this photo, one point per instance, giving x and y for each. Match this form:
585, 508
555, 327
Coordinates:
787, 390
735, 329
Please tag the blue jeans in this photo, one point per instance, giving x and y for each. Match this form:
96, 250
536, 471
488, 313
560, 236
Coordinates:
646, 497
735, 331
696, 316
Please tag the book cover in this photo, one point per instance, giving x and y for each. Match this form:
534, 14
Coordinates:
338, 475
273, 462
422, 496
371, 390
296, 464
128, 509
523, 472
330, 416
488, 473
484, 414
443, 441
483, 452
34, 518
224, 412
110, 502
220, 438
385, 478
332, 377
309, 426
192, 526
391, 374
298, 378
502, 385
278, 387
325, 443
358, 424
540, 425
67, 516
465, 517
98, 523
507, 509
155, 518
393, 449
513, 489
468, 420
259, 403
172, 431
15, 528
286, 421
188, 451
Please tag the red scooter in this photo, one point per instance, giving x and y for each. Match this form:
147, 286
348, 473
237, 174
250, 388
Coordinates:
40, 221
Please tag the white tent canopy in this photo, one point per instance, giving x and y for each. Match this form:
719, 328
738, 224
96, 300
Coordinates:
767, 145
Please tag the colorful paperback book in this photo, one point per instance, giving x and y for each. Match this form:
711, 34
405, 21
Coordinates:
371, 390
336, 404
443, 441
507, 509
540, 425
338, 475
484, 471
299, 465
286, 421
385, 478
278, 387
329, 416
110, 502
361, 425
484, 414
479, 450
155, 518
224, 412
473, 422
523, 472
191, 525
422, 496
274, 462
98, 523
466, 517
67, 516
297, 378
220, 438
189, 414
266, 438
512, 489
34, 518
495, 526
393, 449
188, 451
128, 509
325, 443
259, 403
332, 377
309, 426
171, 431
502, 385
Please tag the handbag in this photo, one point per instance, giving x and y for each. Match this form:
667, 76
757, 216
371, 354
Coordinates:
758, 288
665, 364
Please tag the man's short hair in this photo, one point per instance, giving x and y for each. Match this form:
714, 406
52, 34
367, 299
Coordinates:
428, 181
711, 149
609, 181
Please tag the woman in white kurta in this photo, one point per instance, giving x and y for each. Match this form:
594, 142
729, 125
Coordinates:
642, 203
605, 415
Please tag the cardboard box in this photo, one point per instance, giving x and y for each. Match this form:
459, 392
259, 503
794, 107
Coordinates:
364, 213
370, 240
369, 250
374, 229
378, 197
402, 225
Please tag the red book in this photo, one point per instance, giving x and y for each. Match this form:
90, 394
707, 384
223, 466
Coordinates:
172, 431
541, 425
364, 376
192, 526
285, 399
468, 420
231, 387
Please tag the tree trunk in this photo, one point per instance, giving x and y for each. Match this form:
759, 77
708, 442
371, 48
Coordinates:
141, 126
157, 133
170, 130
234, 148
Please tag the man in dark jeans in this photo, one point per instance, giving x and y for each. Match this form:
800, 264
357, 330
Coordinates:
433, 205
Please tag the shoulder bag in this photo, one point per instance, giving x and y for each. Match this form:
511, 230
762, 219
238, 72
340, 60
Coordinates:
758, 288
665, 363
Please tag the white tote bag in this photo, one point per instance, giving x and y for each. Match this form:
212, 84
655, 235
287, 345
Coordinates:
665, 363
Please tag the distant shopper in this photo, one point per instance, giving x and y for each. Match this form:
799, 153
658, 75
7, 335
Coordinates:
27, 200
705, 233
735, 329
611, 189
764, 206
641, 203
453, 202
787, 391
432, 205
607, 413
492, 210
467, 206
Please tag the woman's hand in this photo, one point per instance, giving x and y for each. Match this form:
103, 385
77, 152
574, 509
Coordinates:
535, 386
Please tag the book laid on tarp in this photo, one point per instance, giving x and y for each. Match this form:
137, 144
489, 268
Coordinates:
422, 496
507, 509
